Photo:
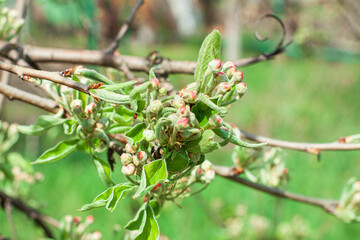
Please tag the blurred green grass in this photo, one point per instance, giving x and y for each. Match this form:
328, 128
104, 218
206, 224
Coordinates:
291, 99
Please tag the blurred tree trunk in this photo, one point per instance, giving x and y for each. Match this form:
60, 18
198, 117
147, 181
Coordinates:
232, 30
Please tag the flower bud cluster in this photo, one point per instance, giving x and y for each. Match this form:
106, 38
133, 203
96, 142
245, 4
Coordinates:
78, 229
10, 23
133, 158
348, 208
203, 173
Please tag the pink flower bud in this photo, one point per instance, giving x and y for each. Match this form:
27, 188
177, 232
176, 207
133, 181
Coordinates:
182, 110
141, 155
90, 108
76, 220
182, 124
129, 148
229, 64
155, 106
209, 175
214, 65
128, 170
231, 71
156, 187
96, 235
285, 171
215, 121
76, 105
224, 87
126, 158
241, 88
154, 83
89, 219
237, 77
221, 77
189, 96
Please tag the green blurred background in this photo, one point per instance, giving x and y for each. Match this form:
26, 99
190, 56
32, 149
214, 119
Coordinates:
311, 93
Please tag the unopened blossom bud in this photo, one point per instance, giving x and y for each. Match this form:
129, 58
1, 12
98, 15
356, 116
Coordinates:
214, 66
224, 87
189, 96
141, 155
184, 110
155, 106
129, 148
128, 170
126, 158
206, 165
154, 83
76, 220
285, 171
89, 219
136, 161
178, 102
182, 124
230, 73
237, 77
241, 89
221, 77
76, 105
96, 235
209, 175
89, 109
156, 187
162, 91
229, 64
216, 121
149, 135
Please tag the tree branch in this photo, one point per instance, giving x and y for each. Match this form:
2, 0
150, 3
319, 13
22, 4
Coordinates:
302, 146
51, 76
7, 208
326, 204
38, 218
40, 102
99, 58
124, 28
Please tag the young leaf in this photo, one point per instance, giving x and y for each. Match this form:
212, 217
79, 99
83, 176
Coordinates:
203, 113
149, 229
118, 86
153, 173
62, 149
104, 170
203, 145
135, 223
178, 161
109, 96
210, 50
70, 126
100, 200
135, 134
43, 124
119, 193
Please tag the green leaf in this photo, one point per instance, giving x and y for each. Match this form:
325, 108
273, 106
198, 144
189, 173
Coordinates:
104, 171
149, 229
203, 113
135, 223
224, 134
135, 134
210, 50
178, 161
153, 173
100, 200
119, 193
136, 101
110, 197
62, 149
43, 124
114, 129
109, 96
118, 86
203, 145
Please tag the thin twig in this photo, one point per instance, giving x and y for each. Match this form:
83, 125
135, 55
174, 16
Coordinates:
124, 28
302, 146
51, 76
7, 208
327, 204
40, 102
38, 218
